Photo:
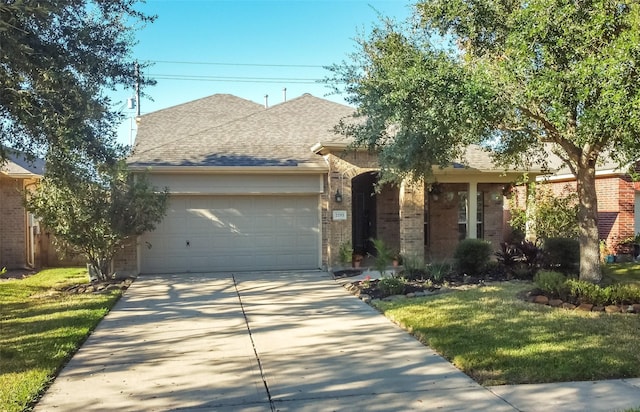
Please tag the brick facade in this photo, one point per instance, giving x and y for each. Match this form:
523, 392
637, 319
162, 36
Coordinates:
401, 212
616, 208
443, 220
126, 261
48, 254
411, 219
13, 224
342, 170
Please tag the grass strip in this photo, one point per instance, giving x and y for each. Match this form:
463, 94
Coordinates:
497, 338
40, 328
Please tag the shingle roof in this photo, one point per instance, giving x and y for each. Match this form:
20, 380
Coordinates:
224, 130
475, 157
18, 165
557, 167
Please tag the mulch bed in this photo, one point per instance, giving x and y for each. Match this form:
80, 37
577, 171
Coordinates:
17, 274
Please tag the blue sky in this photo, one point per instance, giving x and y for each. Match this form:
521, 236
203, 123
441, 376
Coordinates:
247, 48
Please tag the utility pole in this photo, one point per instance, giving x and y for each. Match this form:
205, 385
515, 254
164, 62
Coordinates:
137, 73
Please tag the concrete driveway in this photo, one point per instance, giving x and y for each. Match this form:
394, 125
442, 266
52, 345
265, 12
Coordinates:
256, 342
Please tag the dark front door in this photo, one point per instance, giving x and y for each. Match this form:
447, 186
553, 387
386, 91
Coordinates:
364, 212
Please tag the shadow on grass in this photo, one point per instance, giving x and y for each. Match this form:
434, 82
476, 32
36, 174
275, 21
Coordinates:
39, 335
497, 339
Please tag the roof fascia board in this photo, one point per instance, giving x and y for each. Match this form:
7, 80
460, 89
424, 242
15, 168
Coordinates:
311, 169
477, 177
324, 149
569, 176
21, 175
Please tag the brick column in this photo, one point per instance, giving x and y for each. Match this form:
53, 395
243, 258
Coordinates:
412, 219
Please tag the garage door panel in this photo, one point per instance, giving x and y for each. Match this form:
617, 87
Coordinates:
234, 233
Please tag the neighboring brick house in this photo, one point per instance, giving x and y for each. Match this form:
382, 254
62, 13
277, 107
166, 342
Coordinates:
24, 244
17, 227
618, 202
257, 188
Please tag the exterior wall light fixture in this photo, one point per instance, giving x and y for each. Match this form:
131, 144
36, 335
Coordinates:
338, 196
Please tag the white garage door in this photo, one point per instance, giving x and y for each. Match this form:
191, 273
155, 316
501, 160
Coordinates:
234, 233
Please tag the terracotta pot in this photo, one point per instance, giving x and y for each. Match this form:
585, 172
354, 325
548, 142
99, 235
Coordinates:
356, 260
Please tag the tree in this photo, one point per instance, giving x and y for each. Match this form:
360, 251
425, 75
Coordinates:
97, 211
58, 59
523, 78
548, 214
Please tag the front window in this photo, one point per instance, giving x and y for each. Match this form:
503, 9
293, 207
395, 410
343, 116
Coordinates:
463, 215
480, 216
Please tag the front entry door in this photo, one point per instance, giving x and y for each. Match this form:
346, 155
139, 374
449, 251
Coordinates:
364, 212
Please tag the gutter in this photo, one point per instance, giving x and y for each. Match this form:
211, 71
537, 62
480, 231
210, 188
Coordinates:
300, 169
570, 176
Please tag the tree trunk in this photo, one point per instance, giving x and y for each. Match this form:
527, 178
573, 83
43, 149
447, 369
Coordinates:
588, 223
99, 268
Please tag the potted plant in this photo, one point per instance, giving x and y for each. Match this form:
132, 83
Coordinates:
397, 259
356, 259
606, 255
345, 253
384, 255
631, 246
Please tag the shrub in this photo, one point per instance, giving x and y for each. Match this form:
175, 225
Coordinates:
530, 252
624, 294
391, 286
472, 255
551, 282
524, 272
345, 253
554, 215
508, 255
438, 271
414, 267
616, 294
562, 254
586, 292
384, 255
496, 270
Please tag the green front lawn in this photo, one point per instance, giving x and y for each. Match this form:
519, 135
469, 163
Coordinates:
497, 338
628, 272
40, 327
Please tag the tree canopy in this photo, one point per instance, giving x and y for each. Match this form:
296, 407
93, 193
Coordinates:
524, 78
97, 211
58, 59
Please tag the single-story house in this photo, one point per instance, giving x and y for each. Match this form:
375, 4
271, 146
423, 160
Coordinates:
18, 228
272, 188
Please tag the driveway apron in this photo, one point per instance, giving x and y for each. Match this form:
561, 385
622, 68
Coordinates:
256, 342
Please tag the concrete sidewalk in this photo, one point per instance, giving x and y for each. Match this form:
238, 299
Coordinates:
280, 341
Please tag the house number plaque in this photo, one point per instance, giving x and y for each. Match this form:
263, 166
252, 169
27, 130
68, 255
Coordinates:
339, 215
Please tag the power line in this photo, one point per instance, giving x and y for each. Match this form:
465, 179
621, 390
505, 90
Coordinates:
233, 79
234, 64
